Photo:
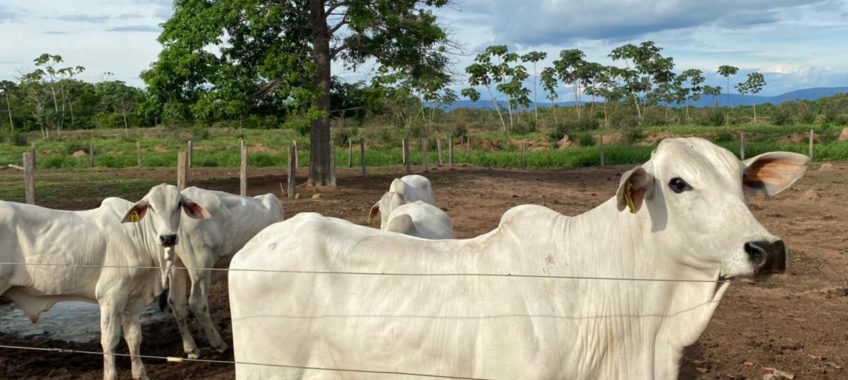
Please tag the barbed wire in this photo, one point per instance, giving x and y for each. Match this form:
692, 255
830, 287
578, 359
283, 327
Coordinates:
176, 359
395, 274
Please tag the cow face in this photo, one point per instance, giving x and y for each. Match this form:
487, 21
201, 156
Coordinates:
388, 203
693, 192
163, 203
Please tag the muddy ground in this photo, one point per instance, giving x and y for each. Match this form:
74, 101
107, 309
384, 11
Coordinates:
796, 323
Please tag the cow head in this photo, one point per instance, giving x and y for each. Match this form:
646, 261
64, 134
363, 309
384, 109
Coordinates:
388, 203
693, 193
164, 204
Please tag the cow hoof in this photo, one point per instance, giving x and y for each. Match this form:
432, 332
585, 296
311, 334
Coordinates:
222, 348
192, 355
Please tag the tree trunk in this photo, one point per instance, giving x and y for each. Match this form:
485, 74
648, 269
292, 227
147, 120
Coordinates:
9, 108
577, 100
754, 102
497, 108
535, 97
319, 165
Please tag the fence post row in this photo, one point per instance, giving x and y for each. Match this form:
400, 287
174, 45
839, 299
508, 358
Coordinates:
182, 170
29, 177
439, 149
425, 153
190, 150
332, 163
450, 151
602, 149
812, 136
407, 160
292, 181
362, 157
243, 170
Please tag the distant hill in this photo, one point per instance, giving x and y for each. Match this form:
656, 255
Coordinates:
706, 101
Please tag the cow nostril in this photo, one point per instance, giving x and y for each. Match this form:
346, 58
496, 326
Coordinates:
168, 240
756, 254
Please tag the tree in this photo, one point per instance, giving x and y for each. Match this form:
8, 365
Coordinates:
8, 87
714, 92
534, 57
754, 84
568, 67
119, 98
549, 82
692, 93
726, 71
742, 88
259, 53
50, 82
493, 67
650, 69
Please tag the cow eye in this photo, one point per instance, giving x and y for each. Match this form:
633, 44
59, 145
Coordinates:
678, 185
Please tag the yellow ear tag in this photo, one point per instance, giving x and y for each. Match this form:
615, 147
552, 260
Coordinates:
134, 217
629, 199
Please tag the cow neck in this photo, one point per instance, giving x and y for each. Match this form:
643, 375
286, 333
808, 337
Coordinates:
605, 242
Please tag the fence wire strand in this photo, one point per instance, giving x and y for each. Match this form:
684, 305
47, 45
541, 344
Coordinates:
176, 359
393, 274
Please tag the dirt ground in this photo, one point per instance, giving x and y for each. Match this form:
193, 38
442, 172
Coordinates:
796, 323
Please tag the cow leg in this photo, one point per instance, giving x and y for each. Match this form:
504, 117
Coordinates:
110, 335
179, 306
199, 302
132, 334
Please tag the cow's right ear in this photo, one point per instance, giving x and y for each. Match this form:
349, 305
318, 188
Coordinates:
136, 213
374, 210
632, 189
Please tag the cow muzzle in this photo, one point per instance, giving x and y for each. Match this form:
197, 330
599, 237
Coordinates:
766, 257
168, 240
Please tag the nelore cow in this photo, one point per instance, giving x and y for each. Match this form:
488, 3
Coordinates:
407, 189
208, 243
92, 256
420, 219
614, 293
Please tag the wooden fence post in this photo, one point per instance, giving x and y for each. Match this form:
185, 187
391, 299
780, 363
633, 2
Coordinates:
425, 154
439, 149
362, 157
812, 150
292, 181
407, 160
34, 163
468, 152
296, 158
138, 153
182, 170
741, 146
91, 154
450, 151
243, 170
29, 177
332, 163
523, 154
349, 153
602, 149
190, 150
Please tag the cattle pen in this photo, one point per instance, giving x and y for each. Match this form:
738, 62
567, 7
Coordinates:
800, 311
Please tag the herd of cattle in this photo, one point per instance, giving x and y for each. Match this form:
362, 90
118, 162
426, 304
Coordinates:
616, 292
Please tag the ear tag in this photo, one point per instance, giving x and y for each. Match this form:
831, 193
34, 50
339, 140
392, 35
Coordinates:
134, 217
629, 199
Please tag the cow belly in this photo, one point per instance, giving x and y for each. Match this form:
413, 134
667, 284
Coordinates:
33, 303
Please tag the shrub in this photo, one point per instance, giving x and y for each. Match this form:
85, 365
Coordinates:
524, 127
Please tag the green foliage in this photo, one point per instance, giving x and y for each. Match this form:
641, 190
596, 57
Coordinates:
524, 127
299, 124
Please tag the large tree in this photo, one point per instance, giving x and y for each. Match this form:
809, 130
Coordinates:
726, 71
236, 56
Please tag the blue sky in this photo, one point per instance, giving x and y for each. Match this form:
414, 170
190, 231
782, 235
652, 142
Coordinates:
796, 44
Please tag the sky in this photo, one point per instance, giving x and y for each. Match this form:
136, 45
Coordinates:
795, 43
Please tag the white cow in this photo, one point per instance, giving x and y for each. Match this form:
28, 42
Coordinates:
208, 243
421, 220
575, 299
92, 256
410, 188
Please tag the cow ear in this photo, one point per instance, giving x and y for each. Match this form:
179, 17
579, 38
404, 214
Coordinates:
773, 172
634, 185
194, 210
136, 213
375, 209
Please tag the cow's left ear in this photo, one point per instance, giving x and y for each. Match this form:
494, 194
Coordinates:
632, 189
136, 213
773, 172
375, 209
194, 210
